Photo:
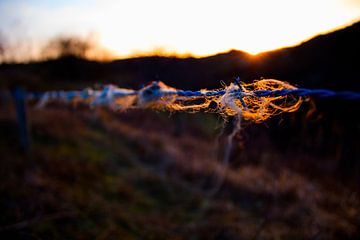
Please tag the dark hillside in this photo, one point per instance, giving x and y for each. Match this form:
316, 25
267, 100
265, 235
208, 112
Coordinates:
327, 61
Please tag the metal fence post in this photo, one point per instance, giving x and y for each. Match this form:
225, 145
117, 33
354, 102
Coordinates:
19, 96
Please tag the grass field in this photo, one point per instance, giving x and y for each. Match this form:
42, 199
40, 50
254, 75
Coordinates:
97, 174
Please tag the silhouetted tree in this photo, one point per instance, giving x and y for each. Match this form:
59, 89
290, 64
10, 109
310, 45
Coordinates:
75, 46
2, 48
68, 47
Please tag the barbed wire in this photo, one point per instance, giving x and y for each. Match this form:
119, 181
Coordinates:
255, 101
323, 93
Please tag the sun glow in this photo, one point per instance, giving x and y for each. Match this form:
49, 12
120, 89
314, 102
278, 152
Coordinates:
207, 27
186, 27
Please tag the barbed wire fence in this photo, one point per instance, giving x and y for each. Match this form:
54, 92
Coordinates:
254, 102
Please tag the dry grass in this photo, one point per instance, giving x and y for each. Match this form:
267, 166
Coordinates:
94, 174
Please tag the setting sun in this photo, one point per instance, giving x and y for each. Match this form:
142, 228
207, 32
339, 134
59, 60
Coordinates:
198, 28
207, 27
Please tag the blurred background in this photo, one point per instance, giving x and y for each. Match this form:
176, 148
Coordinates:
74, 172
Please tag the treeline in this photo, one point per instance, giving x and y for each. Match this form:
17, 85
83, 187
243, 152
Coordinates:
61, 46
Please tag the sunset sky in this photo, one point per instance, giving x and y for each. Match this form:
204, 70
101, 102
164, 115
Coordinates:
197, 27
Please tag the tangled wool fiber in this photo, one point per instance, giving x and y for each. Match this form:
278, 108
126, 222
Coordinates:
237, 98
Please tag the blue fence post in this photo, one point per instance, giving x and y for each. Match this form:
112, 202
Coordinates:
19, 96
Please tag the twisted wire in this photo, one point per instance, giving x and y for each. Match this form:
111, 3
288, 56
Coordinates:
255, 101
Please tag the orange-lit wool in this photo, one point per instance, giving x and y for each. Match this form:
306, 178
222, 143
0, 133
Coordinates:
233, 100
253, 108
